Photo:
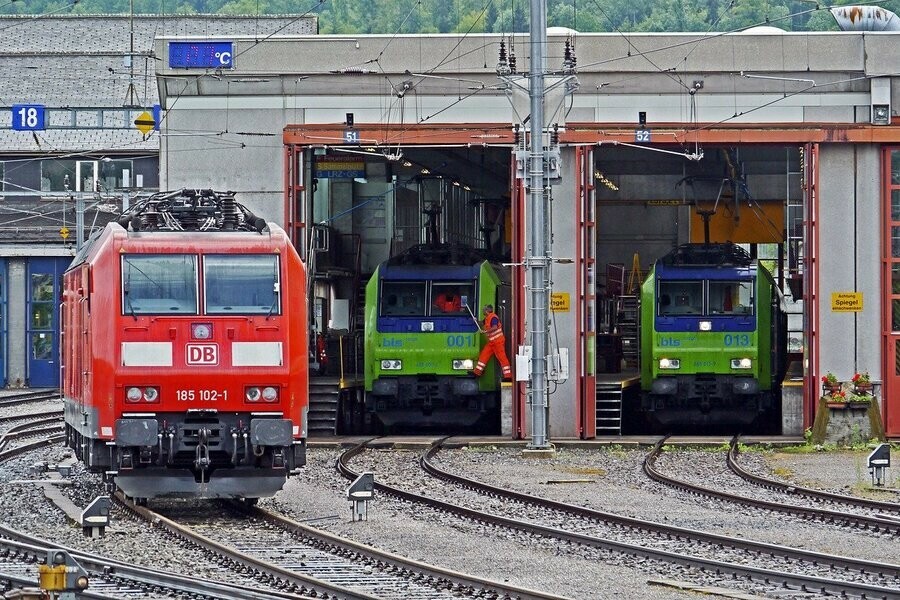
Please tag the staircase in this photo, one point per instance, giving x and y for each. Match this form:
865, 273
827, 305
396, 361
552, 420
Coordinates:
627, 318
324, 397
609, 408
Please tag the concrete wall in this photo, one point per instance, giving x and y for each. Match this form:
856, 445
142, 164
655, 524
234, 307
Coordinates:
17, 360
850, 258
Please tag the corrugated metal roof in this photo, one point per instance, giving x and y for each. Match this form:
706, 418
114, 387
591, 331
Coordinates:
79, 61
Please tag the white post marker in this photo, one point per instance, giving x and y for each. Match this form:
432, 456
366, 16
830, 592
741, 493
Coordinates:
360, 492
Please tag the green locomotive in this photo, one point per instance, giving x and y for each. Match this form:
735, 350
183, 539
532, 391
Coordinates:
713, 338
422, 340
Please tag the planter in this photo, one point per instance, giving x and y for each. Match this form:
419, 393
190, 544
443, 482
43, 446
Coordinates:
830, 388
863, 388
847, 405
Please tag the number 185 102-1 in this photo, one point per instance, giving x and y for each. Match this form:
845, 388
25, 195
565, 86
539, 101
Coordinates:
201, 395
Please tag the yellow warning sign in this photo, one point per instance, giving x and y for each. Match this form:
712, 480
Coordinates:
559, 301
145, 122
64, 232
846, 301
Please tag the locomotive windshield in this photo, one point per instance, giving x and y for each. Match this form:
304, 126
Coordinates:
246, 284
446, 298
730, 298
159, 284
721, 298
680, 298
403, 299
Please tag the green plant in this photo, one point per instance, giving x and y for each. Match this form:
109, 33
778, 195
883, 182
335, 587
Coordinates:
829, 379
859, 378
838, 396
807, 435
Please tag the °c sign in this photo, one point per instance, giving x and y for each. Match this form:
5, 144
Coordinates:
846, 301
559, 302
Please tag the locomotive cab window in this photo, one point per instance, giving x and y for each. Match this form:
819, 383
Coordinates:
678, 298
446, 298
246, 284
403, 299
731, 298
159, 284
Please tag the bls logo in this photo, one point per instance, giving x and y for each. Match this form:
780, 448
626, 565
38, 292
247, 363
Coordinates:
202, 354
669, 341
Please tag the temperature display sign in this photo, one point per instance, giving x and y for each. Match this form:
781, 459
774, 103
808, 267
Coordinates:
28, 117
201, 55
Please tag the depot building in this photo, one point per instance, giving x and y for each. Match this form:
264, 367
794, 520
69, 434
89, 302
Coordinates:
786, 143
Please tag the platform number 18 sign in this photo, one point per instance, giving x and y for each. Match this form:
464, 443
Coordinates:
28, 117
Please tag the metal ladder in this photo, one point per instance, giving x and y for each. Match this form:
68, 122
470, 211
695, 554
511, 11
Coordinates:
609, 408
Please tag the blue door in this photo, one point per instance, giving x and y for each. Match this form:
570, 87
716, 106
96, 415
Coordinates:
42, 329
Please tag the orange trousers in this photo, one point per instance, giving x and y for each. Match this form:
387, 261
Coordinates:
494, 348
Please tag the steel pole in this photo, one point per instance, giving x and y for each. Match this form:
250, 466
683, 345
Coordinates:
537, 218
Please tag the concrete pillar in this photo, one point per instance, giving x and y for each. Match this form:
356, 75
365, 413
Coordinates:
17, 360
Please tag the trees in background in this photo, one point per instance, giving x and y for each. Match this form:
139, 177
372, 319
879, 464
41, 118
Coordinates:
484, 16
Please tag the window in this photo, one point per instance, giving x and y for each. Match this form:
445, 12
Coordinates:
403, 298
159, 284
447, 299
246, 284
106, 175
116, 174
730, 297
680, 298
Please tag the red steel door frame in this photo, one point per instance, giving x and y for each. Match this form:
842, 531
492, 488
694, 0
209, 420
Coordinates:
585, 376
812, 304
890, 369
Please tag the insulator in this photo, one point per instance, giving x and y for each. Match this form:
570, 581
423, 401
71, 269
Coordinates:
554, 135
512, 61
229, 213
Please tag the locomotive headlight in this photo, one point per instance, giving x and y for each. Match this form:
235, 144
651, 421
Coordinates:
201, 331
705, 325
270, 394
669, 363
134, 394
741, 363
463, 364
151, 394
427, 326
391, 365
253, 394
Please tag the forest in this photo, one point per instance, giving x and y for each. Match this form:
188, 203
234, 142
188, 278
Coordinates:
481, 16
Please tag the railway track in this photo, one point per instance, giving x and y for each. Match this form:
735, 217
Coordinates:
841, 500
797, 569
17, 398
296, 557
874, 523
110, 579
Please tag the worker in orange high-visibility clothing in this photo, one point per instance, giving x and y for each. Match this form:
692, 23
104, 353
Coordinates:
496, 344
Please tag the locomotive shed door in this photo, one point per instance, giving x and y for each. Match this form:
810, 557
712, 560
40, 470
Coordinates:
42, 320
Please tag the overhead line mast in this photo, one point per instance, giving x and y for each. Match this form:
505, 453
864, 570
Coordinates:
538, 166
537, 255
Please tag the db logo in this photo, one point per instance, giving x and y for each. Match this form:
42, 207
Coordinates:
202, 354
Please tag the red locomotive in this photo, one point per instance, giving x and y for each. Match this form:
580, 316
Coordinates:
184, 356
